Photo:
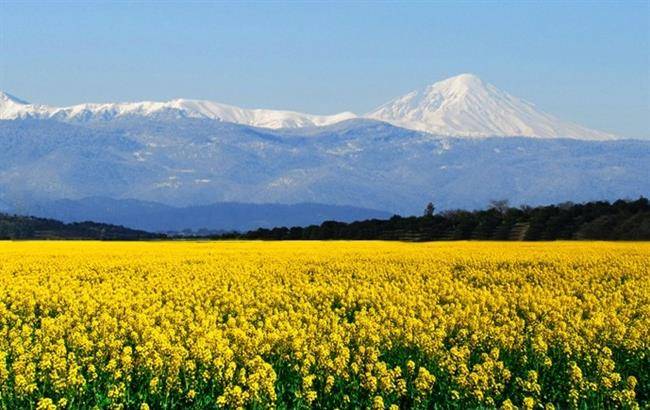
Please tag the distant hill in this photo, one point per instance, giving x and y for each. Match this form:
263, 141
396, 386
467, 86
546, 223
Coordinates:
27, 227
620, 220
227, 216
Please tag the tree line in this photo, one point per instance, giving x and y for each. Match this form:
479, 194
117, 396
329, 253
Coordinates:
600, 220
28, 227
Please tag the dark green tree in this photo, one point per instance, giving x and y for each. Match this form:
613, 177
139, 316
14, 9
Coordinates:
429, 210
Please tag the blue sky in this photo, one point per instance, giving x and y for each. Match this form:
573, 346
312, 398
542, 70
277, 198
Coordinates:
588, 62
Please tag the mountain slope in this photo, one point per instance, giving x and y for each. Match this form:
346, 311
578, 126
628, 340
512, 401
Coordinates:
466, 106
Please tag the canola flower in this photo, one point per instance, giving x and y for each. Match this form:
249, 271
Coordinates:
324, 324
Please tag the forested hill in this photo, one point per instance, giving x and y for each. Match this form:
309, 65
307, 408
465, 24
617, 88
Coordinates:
620, 220
27, 227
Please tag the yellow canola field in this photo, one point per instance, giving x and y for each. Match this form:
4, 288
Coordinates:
324, 324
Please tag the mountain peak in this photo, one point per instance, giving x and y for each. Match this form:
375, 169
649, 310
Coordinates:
466, 80
466, 106
11, 107
8, 98
456, 87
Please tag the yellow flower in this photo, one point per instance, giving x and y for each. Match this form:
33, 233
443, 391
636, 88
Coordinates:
529, 403
410, 366
575, 373
310, 395
329, 383
424, 381
631, 382
507, 405
153, 384
377, 403
45, 404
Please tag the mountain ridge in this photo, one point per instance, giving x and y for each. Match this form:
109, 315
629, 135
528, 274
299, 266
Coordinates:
15, 108
226, 216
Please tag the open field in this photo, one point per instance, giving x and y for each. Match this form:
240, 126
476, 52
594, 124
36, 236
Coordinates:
324, 324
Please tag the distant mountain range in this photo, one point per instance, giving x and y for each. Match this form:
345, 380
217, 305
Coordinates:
185, 164
156, 217
461, 106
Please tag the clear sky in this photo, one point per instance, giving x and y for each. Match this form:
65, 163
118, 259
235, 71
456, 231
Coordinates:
586, 62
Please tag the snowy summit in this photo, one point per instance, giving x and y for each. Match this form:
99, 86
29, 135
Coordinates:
466, 106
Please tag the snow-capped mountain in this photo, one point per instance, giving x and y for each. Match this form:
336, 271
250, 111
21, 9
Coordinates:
415, 149
14, 108
461, 106
466, 106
